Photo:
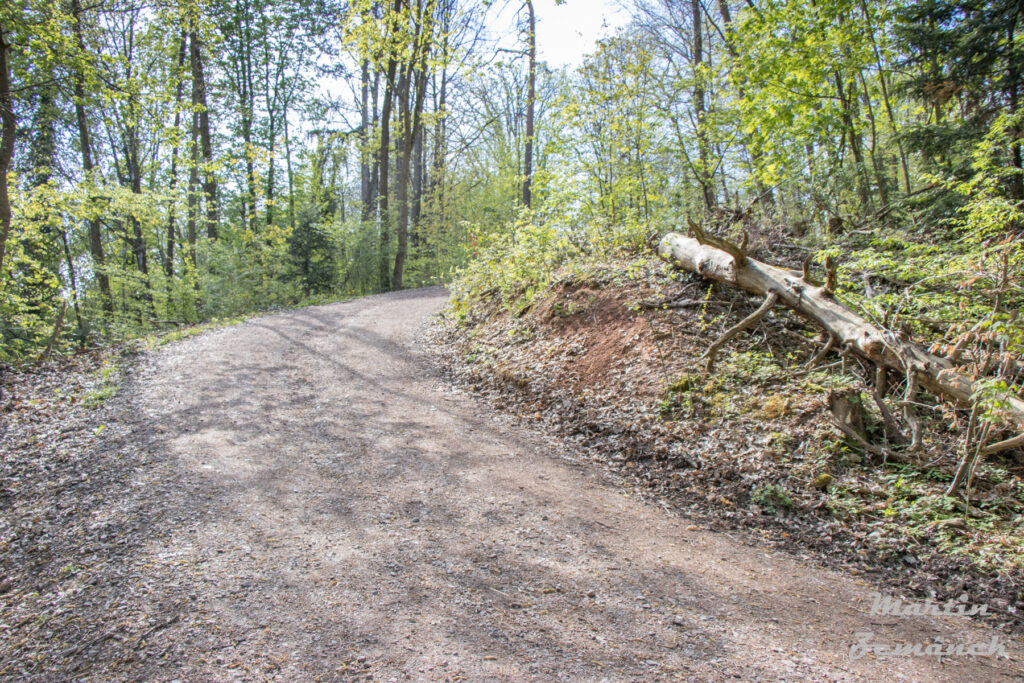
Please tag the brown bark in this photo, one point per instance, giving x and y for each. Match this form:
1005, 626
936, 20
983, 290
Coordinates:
412, 94
384, 160
9, 128
172, 210
200, 104
85, 142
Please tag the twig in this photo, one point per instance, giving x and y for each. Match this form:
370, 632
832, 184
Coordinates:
908, 410
892, 430
95, 641
969, 440
157, 627
56, 332
676, 303
884, 453
807, 371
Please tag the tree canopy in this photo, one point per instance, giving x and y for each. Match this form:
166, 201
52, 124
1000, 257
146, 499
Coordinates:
174, 162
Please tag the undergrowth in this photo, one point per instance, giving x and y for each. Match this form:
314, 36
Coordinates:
898, 509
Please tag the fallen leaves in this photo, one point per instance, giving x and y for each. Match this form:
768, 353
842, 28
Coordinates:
625, 386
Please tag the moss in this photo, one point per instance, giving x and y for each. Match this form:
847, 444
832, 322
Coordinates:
822, 481
774, 407
682, 384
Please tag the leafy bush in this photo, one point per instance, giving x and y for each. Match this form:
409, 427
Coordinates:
515, 264
772, 496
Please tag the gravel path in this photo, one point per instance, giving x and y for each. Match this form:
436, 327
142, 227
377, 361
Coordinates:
321, 505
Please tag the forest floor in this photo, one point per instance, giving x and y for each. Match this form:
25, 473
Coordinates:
609, 357
307, 497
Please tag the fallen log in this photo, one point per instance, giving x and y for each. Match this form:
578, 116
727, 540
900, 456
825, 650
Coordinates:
717, 259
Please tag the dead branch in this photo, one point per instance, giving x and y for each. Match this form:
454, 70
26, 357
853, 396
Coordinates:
807, 277
738, 253
820, 355
1005, 444
728, 264
751, 319
908, 410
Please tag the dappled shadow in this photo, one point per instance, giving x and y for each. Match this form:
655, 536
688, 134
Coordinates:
323, 499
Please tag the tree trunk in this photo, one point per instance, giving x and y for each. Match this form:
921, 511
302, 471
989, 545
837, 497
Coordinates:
383, 161
172, 209
717, 260
883, 82
1013, 86
8, 128
531, 97
847, 100
288, 169
271, 139
374, 190
364, 140
766, 194
200, 104
416, 209
80, 324
700, 108
193, 188
412, 94
85, 142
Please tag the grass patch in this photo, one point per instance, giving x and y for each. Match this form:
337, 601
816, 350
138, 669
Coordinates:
109, 376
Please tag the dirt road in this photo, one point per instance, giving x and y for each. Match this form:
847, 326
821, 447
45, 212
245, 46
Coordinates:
322, 506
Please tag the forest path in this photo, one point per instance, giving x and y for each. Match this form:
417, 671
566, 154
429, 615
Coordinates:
335, 510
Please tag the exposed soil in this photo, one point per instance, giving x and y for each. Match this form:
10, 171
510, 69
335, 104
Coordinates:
610, 358
304, 497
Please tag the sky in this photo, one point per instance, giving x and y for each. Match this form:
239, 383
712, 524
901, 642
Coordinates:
565, 33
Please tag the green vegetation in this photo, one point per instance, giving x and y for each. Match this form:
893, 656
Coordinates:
772, 497
109, 376
205, 169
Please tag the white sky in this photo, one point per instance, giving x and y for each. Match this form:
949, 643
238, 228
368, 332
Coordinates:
567, 32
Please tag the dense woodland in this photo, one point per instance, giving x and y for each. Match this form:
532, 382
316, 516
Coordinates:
174, 161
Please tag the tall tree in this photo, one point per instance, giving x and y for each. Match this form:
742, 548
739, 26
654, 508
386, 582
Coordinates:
85, 146
8, 129
202, 108
531, 97
412, 96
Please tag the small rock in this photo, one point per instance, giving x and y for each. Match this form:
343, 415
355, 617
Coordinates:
5, 587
